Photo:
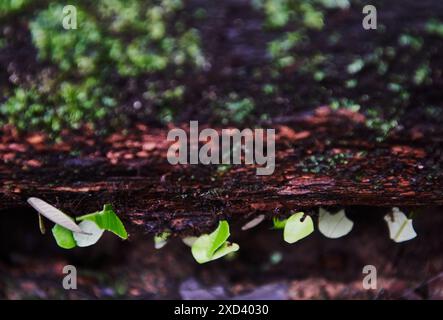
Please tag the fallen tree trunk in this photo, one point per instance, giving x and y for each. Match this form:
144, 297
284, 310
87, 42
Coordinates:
323, 158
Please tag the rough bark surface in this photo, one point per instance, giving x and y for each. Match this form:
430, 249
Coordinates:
323, 158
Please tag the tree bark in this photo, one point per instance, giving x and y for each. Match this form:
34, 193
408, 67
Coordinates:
323, 158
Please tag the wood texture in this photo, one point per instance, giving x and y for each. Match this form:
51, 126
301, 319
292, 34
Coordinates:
324, 158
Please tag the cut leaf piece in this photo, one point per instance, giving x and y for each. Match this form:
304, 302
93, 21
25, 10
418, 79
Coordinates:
92, 233
201, 247
400, 227
161, 240
107, 220
189, 241
253, 223
219, 236
225, 249
295, 229
334, 225
212, 246
63, 237
53, 214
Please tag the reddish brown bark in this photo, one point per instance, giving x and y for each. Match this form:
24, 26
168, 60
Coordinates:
323, 159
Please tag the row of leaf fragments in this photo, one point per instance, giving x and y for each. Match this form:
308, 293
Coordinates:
207, 247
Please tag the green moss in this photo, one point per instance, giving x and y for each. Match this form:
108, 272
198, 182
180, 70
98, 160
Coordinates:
381, 124
422, 74
326, 163
133, 59
295, 18
234, 109
85, 59
435, 27
412, 41
12, 6
355, 66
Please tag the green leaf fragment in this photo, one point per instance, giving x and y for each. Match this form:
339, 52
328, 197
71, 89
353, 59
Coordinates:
218, 237
279, 224
107, 219
212, 246
225, 249
161, 240
295, 229
201, 248
63, 237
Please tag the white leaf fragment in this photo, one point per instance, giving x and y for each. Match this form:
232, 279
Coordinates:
91, 233
253, 223
54, 214
334, 225
400, 227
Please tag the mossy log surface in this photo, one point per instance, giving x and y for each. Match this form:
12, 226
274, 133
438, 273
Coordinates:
323, 158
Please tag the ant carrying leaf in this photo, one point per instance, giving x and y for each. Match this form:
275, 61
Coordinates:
68, 234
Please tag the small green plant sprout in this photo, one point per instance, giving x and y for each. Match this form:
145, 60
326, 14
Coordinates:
68, 234
254, 222
334, 225
160, 240
297, 227
212, 246
400, 227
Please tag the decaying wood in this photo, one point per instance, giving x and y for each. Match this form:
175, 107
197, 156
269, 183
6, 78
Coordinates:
323, 158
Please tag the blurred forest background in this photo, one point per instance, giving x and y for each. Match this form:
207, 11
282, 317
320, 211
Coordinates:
225, 62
